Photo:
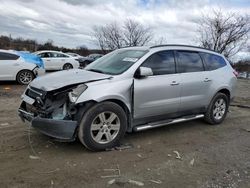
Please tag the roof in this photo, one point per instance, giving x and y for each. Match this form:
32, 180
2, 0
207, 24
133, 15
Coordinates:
9, 51
48, 51
181, 45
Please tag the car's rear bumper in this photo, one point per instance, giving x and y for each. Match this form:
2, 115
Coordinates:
59, 129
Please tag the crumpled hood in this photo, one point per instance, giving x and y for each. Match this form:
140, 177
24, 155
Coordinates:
61, 79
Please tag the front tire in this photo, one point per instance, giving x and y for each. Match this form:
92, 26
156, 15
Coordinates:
217, 109
102, 126
24, 77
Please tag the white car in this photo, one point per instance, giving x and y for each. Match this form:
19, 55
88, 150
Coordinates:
54, 60
15, 67
74, 54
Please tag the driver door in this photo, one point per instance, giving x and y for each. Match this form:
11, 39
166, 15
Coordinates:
157, 95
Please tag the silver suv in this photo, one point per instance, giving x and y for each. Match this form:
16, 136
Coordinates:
130, 89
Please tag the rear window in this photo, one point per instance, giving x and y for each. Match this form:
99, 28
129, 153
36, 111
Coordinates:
8, 56
212, 61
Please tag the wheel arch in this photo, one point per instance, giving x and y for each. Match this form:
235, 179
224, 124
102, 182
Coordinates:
122, 104
226, 92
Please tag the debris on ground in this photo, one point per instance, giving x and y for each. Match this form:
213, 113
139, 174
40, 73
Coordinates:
123, 180
169, 155
177, 154
123, 147
134, 182
48, 172
116, 172
248, 130
139, 155
112, 181
192, 162
156, 181
34, 157
119, 181
120, 147
4, 124
6, 88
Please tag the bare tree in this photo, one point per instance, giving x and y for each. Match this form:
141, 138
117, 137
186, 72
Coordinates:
100, 39
109, 37
224, 33
159, 41
135, 34
113, 36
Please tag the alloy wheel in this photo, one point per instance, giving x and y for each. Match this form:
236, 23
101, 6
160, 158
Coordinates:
25, 77
105, 127
219, 109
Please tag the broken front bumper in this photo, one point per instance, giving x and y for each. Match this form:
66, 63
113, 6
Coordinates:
59, 129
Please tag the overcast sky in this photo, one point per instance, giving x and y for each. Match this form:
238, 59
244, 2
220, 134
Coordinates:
69, 23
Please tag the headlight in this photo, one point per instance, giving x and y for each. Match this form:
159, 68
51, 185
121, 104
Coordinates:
75, 93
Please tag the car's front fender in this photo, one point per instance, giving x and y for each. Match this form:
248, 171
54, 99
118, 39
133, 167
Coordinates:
108, 90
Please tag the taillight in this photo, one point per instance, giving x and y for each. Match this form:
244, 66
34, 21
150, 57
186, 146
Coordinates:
235, 73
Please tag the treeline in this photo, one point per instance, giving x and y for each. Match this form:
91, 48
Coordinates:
20, 44
242, 66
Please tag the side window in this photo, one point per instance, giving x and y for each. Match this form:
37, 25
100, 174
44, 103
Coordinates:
161, 63
212, 61
44, 55
189, 61
8, 56
59, 55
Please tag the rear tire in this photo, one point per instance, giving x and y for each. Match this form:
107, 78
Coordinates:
102, 126
67, 66
217, 109
24, 77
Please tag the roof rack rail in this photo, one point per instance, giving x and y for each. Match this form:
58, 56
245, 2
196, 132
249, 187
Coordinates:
181, 45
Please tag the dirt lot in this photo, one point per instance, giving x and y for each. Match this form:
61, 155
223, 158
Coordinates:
210, 156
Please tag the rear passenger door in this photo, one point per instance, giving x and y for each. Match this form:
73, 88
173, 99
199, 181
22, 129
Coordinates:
195, 81
61, 60
157, 95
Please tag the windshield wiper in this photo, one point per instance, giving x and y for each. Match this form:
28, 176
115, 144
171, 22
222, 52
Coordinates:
96, 70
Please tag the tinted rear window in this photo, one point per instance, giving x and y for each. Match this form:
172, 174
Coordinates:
212, 61
8, 56
189, 61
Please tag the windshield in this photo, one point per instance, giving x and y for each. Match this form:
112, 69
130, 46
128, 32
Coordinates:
116, 62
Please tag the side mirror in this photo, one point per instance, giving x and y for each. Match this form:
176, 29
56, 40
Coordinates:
144, 72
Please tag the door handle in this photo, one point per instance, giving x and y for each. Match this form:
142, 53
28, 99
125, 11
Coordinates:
174, 83
16, 64
207, 80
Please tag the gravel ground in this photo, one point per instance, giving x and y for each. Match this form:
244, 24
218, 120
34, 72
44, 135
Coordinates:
210, 156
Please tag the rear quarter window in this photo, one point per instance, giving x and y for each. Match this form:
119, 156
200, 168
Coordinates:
212, 61
8, 56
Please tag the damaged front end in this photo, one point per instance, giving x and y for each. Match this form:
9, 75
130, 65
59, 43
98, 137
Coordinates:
52, 112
